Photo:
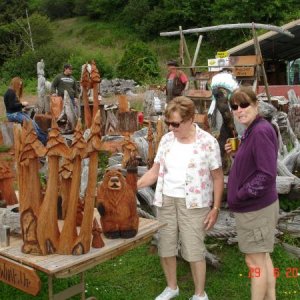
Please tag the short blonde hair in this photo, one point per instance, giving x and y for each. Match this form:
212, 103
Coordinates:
183, 105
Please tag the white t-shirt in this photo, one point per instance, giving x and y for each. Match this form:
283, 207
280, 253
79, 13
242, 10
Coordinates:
176, 163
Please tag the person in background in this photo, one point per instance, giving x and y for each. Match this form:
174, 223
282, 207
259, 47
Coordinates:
177, 81
14, 107
252, 194
65, 81
188, 194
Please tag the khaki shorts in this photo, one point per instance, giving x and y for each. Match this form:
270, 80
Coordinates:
256, 229
183, 225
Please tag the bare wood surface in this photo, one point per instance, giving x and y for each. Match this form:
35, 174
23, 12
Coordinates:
230, 26
63, 266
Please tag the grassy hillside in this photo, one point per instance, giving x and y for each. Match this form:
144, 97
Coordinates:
110, 39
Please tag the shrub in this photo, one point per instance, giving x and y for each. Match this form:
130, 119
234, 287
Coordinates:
138, 63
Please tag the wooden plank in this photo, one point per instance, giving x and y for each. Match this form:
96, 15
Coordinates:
69, 264
19, 276
244, 60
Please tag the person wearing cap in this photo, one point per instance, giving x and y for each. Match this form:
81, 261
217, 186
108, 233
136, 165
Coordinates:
177, 81
65, 81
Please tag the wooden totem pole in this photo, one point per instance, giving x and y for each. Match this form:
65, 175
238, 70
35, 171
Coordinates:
86, 85
95, 80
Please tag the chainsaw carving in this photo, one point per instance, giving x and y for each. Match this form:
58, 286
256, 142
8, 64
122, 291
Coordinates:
41, 234
95, 81
129, 149
97, 241
6, 183
86, 85
151, 153
116, 204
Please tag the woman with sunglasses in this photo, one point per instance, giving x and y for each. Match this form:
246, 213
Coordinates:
189, 188
14, 107
252, 194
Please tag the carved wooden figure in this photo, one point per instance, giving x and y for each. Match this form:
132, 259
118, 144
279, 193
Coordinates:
159, 132
82, 244
28, 150
69, 233
6, 183
151, 153
66, 171
47, 225
95, 80
97, 241
86, 84
129, 149
116, 203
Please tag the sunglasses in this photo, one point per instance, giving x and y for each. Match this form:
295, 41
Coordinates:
173, 124
241, 105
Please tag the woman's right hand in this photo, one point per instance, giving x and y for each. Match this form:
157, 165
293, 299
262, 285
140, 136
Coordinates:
228, 148
24, 103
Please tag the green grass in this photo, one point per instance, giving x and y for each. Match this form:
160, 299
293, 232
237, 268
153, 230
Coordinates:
137, 275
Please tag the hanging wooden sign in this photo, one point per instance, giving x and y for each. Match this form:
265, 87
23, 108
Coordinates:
19, 276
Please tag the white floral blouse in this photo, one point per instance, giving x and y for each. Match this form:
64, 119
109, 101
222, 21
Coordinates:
198, 181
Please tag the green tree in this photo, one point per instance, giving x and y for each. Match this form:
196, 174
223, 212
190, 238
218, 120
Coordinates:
138, 63
105, 9
15, 37
12, 10
56, 9
233, 11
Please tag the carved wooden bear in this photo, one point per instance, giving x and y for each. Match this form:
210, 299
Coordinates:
116, 203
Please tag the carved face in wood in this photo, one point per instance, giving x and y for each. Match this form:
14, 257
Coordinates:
114, 179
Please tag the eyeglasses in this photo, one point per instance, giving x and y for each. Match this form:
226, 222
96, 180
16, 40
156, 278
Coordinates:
173, 124
241, 105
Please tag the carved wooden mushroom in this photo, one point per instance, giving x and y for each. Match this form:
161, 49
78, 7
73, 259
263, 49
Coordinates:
86, 84
95, 80
83, 243
69, 233
47, 229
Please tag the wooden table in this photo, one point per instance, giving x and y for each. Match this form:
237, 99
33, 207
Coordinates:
64, 266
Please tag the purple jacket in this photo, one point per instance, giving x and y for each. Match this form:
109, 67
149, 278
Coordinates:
252, 178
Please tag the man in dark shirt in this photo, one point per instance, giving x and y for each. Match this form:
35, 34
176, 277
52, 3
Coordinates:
65, 81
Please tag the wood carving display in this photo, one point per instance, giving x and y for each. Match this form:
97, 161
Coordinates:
83, 242
116, 203
97, 241
28, 150
86, 85
151, 150
41, 234
47, 225
69, 233
6, 183
129, 149
95, 80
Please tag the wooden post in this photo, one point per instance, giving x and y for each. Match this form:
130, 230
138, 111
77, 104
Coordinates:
260, 59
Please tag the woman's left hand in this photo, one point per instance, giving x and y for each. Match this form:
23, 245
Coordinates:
211, 219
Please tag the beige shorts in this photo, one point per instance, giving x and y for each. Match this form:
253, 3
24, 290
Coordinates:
256, 229
183, 225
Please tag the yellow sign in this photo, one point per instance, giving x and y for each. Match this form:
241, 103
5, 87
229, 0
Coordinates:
222, 54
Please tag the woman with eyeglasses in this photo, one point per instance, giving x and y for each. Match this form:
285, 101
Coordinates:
252, 194
188, 172
14, 107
